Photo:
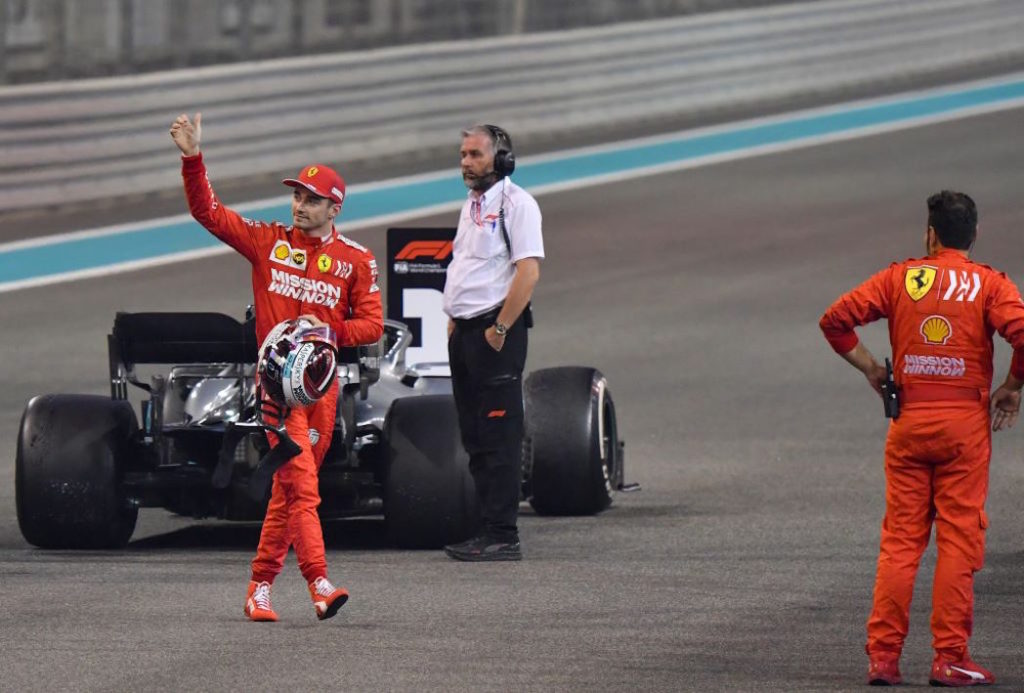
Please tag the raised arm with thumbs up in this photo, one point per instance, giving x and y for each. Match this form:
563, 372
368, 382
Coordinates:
186, 134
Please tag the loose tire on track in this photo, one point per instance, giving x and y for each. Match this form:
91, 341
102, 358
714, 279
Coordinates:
429, 494
71, 455
573, 439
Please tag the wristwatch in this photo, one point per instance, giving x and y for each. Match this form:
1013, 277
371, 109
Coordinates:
500, 329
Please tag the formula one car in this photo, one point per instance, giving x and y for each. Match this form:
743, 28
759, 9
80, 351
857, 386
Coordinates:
86, 464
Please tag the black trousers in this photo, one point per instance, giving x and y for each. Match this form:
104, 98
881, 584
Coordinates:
488, 388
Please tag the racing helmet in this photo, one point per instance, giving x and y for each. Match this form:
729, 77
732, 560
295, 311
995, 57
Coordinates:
297, 363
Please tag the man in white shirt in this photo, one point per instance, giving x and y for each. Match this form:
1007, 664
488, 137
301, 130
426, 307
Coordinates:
494, 269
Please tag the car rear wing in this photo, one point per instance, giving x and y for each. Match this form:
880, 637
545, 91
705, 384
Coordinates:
174, 338
179, 338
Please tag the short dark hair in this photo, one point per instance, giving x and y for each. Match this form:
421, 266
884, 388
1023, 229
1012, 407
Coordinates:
954, 217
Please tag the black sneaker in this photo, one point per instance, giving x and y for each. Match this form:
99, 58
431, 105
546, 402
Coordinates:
484, 548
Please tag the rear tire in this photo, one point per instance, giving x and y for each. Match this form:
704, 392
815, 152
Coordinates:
71, 455
573, 439
429, 494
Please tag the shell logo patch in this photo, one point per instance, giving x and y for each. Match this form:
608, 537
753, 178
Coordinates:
324, 263
284, 254
936, 330
312, 171
919, 281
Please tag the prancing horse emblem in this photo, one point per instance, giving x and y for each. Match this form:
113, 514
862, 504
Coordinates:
919, 281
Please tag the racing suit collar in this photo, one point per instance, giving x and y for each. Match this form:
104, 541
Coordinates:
950, 252
314, 241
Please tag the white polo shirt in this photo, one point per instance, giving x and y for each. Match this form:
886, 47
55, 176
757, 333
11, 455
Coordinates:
481, 269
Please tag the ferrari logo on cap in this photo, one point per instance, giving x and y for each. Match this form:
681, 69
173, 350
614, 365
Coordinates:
324, 263
919, 281
312, 171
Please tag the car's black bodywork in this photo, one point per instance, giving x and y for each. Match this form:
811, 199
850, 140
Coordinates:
86, 463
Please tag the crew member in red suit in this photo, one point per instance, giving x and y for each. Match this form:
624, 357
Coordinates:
307, 269
942, 310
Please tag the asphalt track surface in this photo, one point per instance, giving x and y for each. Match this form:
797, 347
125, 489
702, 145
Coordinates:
746, 563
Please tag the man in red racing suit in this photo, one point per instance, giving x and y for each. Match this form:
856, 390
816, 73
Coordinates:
942, 310
307, 269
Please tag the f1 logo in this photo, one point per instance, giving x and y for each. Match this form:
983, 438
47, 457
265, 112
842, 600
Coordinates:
438, 250
417, 266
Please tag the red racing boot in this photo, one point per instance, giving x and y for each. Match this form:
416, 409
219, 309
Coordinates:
257, 603
326, 597
884, 669
961, 672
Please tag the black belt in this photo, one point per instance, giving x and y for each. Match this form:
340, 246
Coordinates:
484, 320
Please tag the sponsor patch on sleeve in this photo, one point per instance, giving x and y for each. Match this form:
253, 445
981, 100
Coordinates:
374, 275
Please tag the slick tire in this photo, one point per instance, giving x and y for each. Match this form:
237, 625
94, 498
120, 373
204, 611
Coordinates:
71, 455
429, 494
573, 440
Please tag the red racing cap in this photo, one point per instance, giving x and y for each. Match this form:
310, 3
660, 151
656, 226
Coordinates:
320, 180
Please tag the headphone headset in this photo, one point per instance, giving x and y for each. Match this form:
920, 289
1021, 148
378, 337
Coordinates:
504, 159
